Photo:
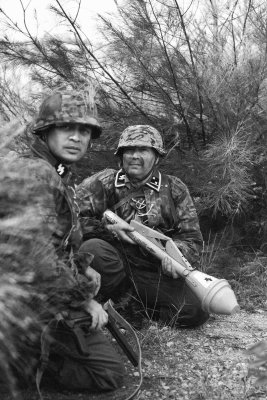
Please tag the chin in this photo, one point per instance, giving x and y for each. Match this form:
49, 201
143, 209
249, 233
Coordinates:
134, 176
70, 160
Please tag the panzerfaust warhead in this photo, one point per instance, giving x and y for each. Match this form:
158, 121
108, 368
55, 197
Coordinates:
215, 295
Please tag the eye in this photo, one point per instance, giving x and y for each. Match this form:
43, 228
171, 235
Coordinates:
65, 127
85, 130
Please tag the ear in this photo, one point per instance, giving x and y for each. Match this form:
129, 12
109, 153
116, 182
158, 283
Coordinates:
120, 162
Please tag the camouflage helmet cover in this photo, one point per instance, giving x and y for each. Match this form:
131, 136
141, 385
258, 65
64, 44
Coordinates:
141, 136
67, 106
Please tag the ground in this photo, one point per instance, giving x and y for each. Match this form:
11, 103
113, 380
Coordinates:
208, 363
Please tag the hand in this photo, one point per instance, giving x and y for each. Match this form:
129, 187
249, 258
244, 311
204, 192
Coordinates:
99, 315
94, 277
169, 269
121, 230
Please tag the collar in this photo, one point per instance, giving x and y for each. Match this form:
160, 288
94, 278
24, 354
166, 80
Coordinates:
41, 150
154, 181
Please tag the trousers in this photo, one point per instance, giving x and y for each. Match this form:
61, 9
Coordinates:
162, 297
99, 370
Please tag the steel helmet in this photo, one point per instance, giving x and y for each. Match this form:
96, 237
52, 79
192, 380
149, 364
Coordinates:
68, 106
141, 136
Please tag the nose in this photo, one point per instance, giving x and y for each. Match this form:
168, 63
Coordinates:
135, 153
75, 134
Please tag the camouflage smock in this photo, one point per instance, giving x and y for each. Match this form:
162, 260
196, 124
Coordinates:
168, 206
59, 210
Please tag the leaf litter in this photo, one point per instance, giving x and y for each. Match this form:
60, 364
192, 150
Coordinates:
208, 363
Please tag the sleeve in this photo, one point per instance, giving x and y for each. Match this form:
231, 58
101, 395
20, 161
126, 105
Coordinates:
93, 196
187, 235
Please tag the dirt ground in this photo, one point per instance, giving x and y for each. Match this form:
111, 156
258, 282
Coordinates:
208, 363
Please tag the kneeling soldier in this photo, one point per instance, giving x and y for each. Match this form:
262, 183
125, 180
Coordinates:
63, 129
162, 202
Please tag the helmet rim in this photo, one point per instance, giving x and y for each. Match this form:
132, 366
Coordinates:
92, 123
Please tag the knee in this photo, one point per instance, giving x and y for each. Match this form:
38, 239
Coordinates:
105, 255
94, 246
102, 369
107, 263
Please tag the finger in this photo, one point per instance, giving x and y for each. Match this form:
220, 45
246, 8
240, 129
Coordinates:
124, 226
98, 324
167, 265
175, 274
129, 228
165, 262
104, 319
129, 240
98, 282
94, 321
164, 267
126, 238
97, 287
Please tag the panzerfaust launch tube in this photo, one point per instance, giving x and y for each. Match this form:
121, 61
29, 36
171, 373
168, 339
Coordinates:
215, 295
148, 245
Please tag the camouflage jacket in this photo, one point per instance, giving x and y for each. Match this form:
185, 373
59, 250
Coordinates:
163, 203
59, 209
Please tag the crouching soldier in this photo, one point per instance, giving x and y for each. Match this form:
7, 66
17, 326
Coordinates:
63, 130
162, 202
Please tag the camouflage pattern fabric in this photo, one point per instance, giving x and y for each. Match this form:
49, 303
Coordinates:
59, 208
70, 107
100, 368
99, 192
141, 136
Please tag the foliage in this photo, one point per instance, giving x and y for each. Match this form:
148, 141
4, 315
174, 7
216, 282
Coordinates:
200, 88
227, 185
197, 72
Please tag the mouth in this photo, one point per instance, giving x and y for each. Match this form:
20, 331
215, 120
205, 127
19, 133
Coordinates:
72, 149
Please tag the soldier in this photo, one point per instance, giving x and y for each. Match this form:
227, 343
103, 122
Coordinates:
140, 191
63, 129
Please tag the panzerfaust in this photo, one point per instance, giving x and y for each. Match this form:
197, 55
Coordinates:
215, 295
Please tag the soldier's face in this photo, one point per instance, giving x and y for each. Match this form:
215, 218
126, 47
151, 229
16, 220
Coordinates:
138, 161
68, 143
